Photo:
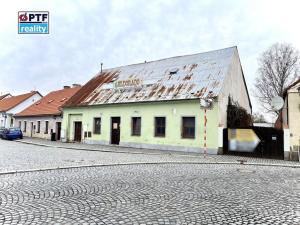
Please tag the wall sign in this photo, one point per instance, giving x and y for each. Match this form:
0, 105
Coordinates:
128, 83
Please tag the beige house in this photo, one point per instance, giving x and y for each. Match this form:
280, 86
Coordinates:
289, 120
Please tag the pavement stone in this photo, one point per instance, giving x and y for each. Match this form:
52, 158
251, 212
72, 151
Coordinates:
152, 194
180, 190
77, 154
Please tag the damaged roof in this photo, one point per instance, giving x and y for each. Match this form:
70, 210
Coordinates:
183, 77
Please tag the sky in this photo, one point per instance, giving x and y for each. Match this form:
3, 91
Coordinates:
84, 33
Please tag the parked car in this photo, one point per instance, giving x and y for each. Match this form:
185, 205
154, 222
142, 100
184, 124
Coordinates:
2, 129
12, 134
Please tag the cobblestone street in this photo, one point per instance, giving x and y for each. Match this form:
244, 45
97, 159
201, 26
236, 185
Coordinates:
183, 192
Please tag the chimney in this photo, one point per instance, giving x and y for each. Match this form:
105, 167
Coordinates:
66, 87
76, 85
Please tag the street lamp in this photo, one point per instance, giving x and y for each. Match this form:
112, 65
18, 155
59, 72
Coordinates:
205, 103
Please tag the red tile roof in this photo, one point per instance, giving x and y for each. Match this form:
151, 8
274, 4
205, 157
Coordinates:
50, 104
11, 102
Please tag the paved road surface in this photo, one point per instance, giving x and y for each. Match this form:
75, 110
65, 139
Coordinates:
141, 194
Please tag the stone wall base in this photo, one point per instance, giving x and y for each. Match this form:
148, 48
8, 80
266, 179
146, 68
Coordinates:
211, 151
291, 156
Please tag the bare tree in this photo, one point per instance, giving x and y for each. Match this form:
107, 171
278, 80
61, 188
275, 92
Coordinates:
278, 68
258, 118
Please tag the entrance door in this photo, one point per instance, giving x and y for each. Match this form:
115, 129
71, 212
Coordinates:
31, 129
58, 129
77, 133
115, 130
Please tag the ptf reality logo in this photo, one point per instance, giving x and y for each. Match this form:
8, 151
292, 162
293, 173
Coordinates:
33, 22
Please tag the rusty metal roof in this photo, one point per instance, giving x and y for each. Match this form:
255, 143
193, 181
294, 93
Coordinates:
183, 77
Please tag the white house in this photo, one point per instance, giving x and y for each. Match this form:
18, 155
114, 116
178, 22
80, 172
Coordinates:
15, 104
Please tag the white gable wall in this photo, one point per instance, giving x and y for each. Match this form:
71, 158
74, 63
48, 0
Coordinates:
6, 122
23, 105
235, 87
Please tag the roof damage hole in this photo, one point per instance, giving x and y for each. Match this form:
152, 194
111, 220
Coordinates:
173, 71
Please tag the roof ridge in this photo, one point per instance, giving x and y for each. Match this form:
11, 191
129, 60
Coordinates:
172, 57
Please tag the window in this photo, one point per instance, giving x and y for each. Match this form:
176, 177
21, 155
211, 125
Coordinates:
188, 127
46, 127
20, 124
25, 126
136, 126
38, 126
160, 126
11, 122
97, 125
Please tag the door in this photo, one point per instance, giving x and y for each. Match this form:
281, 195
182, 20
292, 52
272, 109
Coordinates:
115, 130
31, 129
58, 129
78, 131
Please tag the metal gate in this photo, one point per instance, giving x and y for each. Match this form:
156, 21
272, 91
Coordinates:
270, 144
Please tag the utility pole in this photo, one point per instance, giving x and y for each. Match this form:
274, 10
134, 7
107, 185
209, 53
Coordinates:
205, 103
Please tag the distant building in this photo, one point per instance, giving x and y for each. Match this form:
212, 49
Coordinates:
9, 106
5, 96
289, 118
43, 118
157, 104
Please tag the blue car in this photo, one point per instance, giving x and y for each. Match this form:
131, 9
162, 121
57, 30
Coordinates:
2, 130
12, 134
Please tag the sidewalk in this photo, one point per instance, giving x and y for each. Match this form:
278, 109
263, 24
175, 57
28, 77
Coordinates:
188, 157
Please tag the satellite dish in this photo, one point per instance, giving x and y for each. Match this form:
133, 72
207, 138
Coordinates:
277, 103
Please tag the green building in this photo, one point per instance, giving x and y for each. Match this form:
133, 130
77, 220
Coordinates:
159, 104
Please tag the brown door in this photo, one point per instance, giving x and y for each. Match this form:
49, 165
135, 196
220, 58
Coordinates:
58, 129
115, 130
77, 133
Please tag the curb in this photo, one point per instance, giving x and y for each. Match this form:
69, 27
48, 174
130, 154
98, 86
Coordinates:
146, 163
103, 150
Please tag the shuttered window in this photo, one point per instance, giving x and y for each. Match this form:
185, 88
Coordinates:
160, 126
97, 125
38, 126
188, 127
136, 126
46, 127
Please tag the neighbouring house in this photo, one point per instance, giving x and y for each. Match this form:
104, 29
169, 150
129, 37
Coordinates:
263, 124
5, 96
157, 104
43, 118
10, 106
288, 120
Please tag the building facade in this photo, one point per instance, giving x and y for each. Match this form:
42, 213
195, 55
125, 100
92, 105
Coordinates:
157, 104
43, 118
10, 106
289, 120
